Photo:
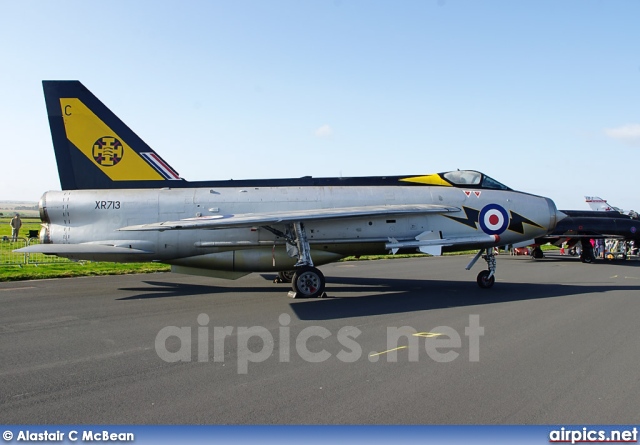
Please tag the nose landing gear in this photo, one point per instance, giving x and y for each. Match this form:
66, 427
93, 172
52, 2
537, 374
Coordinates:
486, 278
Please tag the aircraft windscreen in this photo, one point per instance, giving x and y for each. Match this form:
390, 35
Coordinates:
473, 178
463, 177
490, 183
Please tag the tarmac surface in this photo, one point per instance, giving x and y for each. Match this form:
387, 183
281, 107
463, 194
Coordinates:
554, 341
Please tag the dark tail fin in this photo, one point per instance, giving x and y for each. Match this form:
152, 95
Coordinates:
94, 148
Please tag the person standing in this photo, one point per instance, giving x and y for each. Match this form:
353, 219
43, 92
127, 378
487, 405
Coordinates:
15, 223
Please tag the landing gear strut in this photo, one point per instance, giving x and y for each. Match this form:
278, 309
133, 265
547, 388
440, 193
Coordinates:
486, 278
307, 281
587, 255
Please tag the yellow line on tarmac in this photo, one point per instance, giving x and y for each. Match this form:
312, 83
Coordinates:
417, 334
390, 350
426, 334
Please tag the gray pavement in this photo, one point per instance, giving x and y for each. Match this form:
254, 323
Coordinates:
557, 343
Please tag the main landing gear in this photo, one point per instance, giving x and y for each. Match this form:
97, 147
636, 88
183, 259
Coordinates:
537, 253
486, 278
587, 255
306, 280
285, 276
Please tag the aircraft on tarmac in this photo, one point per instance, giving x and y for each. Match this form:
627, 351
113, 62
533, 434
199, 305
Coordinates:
600, 205
603, 221
580, 226
121, 202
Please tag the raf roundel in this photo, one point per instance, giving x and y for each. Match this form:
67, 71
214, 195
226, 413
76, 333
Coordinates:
493, 219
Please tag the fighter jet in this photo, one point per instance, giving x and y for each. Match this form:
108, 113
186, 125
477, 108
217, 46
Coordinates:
603, 221
600, 205
121, 202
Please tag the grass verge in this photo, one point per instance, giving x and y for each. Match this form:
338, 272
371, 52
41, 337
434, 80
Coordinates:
73, 269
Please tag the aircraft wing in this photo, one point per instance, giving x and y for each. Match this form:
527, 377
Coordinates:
261, 219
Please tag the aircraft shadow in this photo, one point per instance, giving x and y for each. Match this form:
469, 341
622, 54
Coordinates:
350, 297
163, 289
398, 296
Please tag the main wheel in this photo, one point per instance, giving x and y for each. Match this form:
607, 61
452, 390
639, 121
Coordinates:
308, 282
537, 253
484, 281
586, 258
286, 276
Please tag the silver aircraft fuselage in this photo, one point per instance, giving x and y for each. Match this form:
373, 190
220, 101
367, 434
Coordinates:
95, 217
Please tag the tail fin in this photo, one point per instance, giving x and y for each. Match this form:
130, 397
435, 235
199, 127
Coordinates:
94, 148
600, 204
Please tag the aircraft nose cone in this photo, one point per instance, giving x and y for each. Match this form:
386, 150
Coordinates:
554, 214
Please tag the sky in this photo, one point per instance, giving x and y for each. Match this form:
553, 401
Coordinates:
544, 96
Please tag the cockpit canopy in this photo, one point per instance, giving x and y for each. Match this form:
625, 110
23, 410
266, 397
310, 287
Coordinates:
472, 179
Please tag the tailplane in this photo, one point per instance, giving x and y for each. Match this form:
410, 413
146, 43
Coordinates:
94, 148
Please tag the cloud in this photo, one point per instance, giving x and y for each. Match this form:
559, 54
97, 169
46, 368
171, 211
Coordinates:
629, 134
324, 132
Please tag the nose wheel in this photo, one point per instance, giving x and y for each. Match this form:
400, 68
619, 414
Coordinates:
486, 278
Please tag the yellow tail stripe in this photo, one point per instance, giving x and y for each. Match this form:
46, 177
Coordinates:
103, 146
